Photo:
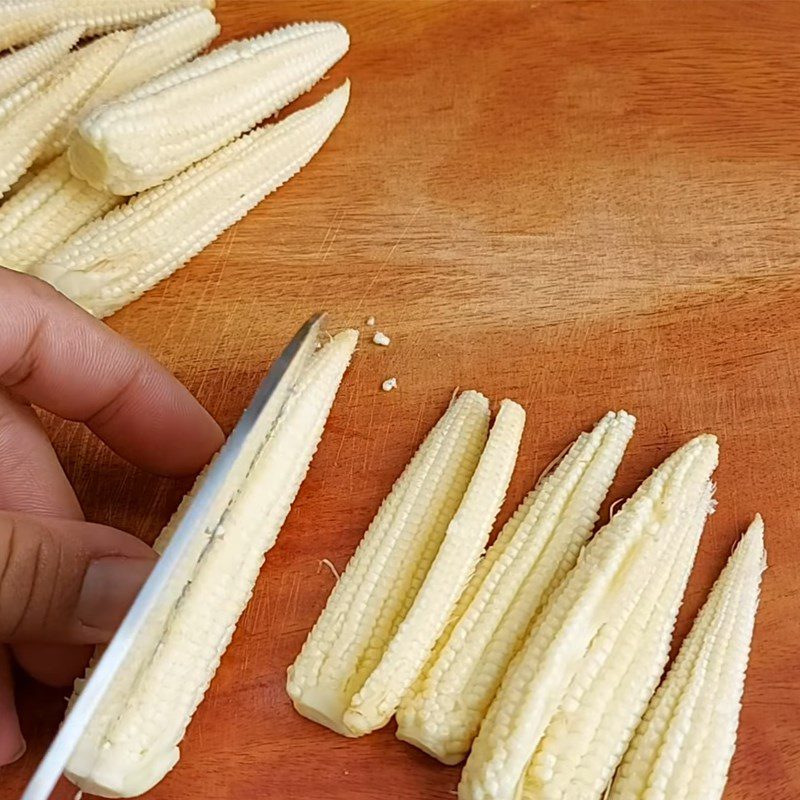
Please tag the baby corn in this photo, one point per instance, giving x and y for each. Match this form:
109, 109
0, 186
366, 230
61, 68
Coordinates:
22, 66
25, 20
586, 738
132, 742
25, 132
612, 572
384, 576
377, 700
146, 136
109, 263
684, 745
538, 545
154, 49
46, 211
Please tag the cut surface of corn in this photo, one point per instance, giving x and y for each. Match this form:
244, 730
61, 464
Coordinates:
45, 212
25, 20
683, 747
384, 576
534, 551
22, 66
132, 742
155, 48
464, 541
612, 572
144, 137
25, 132
588, 735
109, 263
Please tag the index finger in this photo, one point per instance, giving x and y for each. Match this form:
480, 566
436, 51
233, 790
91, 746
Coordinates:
58, 357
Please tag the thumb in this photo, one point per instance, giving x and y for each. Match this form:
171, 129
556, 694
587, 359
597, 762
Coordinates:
65, 580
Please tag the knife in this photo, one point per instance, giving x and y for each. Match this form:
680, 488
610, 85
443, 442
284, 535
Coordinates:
170, 576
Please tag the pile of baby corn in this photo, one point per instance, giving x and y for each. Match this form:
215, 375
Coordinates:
540, 661
123, 152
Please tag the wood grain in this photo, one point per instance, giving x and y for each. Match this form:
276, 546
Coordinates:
579, 205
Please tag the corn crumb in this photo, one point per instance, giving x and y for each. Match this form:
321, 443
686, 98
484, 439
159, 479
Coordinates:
381, 338
389, 384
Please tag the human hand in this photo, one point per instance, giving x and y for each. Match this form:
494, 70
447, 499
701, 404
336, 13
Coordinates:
65, 583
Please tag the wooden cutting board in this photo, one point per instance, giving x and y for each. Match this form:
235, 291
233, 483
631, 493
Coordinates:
579, 205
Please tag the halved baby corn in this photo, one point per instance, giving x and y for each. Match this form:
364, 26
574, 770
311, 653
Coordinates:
612, 572
384, 576
110, 262
683, 747
25, 20
46, 211
150, 134
17, 68
25, 132
154, 49
132, 742
536, 548
588, 735
464, 541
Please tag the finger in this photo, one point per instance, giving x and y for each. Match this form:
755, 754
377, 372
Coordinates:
54, 665
58, 357
12, 745
31, 477
32, 481
66, 581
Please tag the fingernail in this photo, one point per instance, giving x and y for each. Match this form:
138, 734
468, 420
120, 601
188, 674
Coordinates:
109, 587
